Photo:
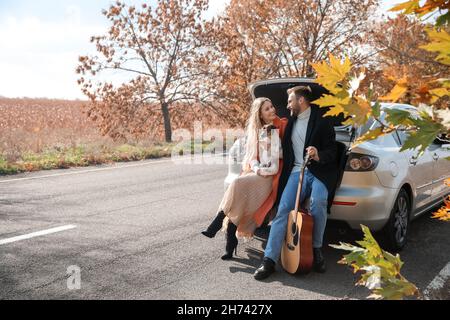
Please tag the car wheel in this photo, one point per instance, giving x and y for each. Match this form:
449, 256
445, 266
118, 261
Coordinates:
396, 229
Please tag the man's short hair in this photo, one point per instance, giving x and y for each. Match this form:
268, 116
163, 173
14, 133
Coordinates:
301, 91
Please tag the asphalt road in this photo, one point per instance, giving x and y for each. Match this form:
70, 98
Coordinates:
137, 236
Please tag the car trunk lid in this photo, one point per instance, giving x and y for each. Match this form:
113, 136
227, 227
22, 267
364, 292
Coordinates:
276, 91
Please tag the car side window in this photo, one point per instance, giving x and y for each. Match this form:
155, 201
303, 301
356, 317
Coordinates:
387, 140
402, 136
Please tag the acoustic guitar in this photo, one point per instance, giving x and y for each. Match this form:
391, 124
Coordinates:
297, 250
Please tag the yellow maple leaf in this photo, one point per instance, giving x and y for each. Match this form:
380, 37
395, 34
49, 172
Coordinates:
399, 90
329, 100
381, 270
360, 111
440, 43
330, 75
438, 93
443, 213
409, 6
335, 111
369, 135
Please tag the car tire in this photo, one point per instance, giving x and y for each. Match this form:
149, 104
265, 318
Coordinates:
396, 229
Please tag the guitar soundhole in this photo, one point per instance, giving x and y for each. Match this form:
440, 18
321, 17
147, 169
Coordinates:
295, 239
294, 228
295, 235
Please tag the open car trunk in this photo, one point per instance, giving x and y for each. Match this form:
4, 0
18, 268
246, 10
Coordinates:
276, 91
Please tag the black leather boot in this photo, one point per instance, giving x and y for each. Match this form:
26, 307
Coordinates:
319, 261
265, 269
232, 241
215, 225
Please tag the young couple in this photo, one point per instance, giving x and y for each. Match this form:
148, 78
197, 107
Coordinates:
270, 176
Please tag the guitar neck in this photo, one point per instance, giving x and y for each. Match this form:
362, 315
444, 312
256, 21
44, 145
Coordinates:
300, 182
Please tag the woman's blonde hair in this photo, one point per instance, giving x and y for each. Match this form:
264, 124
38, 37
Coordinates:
254, 124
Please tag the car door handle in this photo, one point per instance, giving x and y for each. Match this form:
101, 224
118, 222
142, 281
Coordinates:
435, 156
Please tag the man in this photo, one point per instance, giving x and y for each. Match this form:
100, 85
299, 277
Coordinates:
307, 132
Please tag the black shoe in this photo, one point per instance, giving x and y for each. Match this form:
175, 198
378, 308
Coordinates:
265, 269
232, 241
215, 225
319, 261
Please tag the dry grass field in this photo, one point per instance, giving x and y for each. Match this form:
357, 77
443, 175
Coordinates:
38, 134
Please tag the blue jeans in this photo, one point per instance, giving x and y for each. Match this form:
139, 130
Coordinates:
312, 187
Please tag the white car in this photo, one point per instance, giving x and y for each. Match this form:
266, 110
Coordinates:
380, 187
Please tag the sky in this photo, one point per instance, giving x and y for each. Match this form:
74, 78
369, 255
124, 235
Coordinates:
40, 42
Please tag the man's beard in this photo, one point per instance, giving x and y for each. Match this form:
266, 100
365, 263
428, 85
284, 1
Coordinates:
295, 111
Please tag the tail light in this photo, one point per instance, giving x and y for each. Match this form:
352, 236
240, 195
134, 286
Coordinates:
358, 162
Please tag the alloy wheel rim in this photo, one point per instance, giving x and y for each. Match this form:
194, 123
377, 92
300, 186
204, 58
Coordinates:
401, 219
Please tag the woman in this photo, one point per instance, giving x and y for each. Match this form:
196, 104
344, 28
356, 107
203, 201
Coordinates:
250, 197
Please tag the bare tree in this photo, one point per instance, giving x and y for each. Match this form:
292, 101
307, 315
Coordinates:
157, 48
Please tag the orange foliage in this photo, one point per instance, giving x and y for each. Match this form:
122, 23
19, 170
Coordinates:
256, 40
158, 46
444, 212
402, 64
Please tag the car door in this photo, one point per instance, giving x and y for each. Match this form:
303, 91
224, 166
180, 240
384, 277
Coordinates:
441, 169
420, 172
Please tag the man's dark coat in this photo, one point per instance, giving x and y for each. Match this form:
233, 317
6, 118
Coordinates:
320, 134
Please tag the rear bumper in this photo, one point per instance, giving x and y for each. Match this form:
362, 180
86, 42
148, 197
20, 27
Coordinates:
367, 205
360, 199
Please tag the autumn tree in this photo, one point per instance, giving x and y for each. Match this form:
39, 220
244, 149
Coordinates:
154, 49
398, 42
237, 56
256, 40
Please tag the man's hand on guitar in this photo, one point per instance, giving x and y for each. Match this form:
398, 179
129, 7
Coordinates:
313, 153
